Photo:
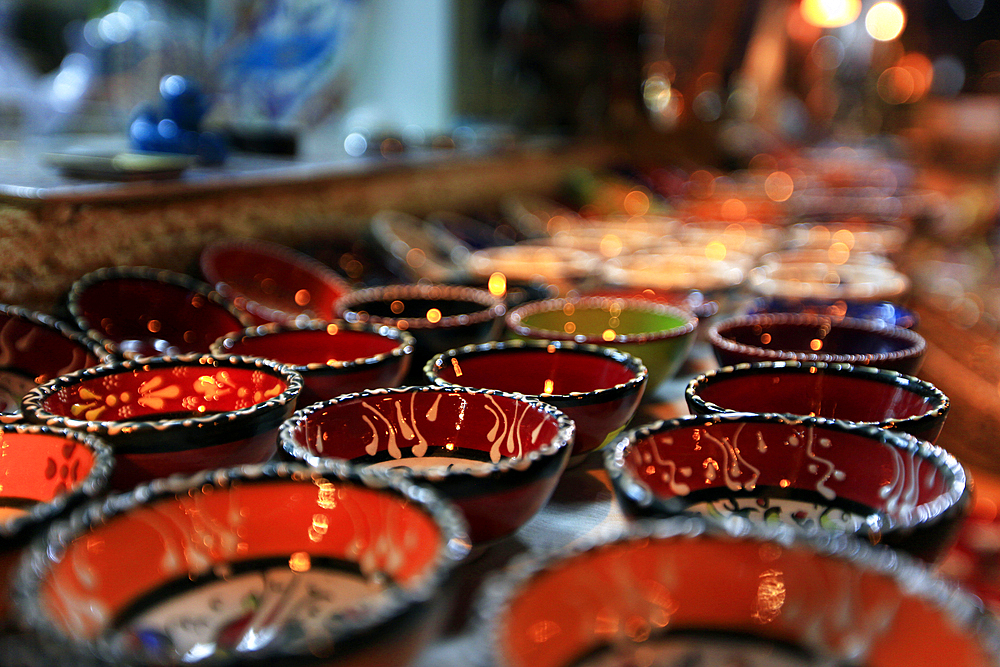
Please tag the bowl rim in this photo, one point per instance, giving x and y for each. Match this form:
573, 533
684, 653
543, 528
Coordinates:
561, 444
515, 316
957, 493
915, 343
492, 307
84, 338
392, 603
632, 363
405, 342
940, 404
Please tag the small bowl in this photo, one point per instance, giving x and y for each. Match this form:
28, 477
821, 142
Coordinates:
599, 388
659, 334
810, 473
498, 456
885, 311
136, 311
811, 337
168, 415
828, 282
333, 358
440, 317
858, 394
690, 592
35, 348
271, 282
267, 564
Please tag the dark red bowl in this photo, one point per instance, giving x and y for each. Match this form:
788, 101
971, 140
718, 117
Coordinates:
599, 388
333, 358
811, 473
271, 282
498, 456
137, 311
859, 394
810, 337
167, 415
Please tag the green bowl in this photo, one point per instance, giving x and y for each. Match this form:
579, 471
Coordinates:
658, 333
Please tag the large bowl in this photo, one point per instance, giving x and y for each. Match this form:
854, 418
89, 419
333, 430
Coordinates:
498, 456
859, 394
271, 282
169, 415
275, 564
333, 357
811, 337
138, 311
688, 592
659, 334
811, 473
599, 388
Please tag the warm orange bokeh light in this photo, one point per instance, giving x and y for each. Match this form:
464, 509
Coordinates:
830, 13
885, 21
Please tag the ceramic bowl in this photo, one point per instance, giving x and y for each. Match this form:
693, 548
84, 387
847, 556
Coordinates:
35, 348
271, 282
886, 311
440, 317
141, 312
333, 357
540, 264
828, 282
810, 337
498, 456
689, 592
599, 388
411, 250
859, 394
810, 473
659, 334
269, 564
170, 415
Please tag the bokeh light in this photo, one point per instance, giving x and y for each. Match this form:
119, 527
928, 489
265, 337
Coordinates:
885, 21
949, 76
895, 85
779, 186
830, 13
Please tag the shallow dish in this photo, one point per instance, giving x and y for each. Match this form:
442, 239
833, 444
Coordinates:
270, 564
599, 388
498, 456
333, 358
138, 311
810, 473
169, 415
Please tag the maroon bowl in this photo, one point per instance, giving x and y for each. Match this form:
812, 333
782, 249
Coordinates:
271, 282
810, 337
811, 473
137, 311
498, 456
333, 358
859, 394
167, 415
599, 388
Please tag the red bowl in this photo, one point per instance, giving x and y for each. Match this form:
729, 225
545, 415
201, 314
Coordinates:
169, 415
810, 337
810, 473
138, 311
859, 394
271, 564
271, 282
333, 358
599, 388
35, 348
498, 456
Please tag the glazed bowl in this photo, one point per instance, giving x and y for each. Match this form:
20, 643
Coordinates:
138, 311
811, 337
268, 564
691, 592
886, 311
169, 415
271, 282
826, 281
333, 357
599, 388
858, 394
659, 334
440, 317
810, 473
35, 348
498, 456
